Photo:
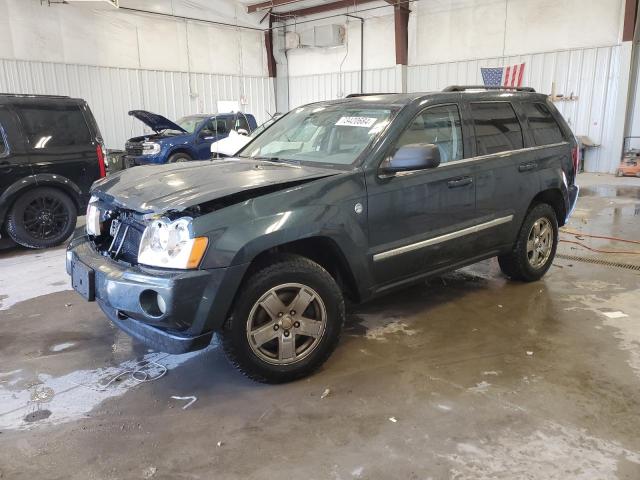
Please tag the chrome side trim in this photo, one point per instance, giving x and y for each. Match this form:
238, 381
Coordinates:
442, 238
478, 158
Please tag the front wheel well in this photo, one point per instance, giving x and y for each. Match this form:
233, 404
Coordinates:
322, 250
554, 198
180, 150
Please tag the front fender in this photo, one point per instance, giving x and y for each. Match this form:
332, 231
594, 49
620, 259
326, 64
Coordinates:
237, 246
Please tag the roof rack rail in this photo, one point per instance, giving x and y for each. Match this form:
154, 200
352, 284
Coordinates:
355, 95
27, 95
463, 88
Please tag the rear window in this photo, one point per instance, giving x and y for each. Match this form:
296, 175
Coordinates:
543, 126
496, 127
59, 126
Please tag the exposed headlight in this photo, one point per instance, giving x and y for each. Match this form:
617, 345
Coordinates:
167, 244
150, 148
93, 217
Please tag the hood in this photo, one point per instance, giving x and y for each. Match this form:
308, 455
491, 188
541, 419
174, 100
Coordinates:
156, 122
176, 186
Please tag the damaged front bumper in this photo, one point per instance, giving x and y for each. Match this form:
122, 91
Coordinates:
174, 311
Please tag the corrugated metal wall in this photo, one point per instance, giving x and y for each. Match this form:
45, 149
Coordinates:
590, 74
329, 86
112, 92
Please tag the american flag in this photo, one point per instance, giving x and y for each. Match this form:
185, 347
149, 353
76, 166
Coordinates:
503, 76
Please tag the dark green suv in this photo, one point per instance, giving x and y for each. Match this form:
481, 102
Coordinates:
345, 198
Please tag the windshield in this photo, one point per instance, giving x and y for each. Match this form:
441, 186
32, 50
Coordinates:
189, 123
333, 134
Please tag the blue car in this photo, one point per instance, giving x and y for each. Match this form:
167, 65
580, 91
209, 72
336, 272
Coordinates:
189, 138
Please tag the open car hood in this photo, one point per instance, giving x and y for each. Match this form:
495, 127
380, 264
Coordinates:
176, 186
156, 122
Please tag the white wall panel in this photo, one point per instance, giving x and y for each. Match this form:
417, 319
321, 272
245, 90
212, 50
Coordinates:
112, 92
588, 73
329, 86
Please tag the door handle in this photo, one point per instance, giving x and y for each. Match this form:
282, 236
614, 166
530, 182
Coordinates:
526, 167
460, 182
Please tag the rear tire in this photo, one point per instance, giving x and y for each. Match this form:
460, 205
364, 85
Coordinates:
179, 157
535, 246
42, 218
266, 338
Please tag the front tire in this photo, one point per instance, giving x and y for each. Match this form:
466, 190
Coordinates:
179, 157
42, 218
535, 247
286, 321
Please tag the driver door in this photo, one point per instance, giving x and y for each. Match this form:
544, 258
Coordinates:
415, 217
211, 131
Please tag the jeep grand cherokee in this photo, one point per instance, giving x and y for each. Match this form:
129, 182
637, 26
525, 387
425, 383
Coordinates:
345, 198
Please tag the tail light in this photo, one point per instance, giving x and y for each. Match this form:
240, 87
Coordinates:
101, 159
575, 156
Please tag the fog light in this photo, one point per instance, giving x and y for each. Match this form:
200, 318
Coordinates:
162, 306
152, 303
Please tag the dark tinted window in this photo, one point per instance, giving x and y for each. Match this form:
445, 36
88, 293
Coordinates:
440, 126
497, 128
543, 126
241, 122
60, 126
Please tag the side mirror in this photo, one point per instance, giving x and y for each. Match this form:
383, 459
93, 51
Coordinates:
415, 156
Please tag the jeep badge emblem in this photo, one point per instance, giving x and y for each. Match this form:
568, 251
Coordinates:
358, 208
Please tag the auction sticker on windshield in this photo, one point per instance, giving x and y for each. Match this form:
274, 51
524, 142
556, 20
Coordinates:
365, 122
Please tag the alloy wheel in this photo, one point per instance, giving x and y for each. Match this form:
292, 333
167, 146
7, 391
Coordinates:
45, 218
539, 242
286, 324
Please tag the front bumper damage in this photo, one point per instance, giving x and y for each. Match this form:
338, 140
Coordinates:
168, 310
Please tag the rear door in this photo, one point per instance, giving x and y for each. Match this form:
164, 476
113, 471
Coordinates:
414, 217
507, 176
59, 141
14, 162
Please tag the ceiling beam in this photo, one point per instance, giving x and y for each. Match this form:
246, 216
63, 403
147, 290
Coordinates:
326, 7
256, 7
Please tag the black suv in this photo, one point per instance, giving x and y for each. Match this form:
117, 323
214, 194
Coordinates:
51, 152
345, 198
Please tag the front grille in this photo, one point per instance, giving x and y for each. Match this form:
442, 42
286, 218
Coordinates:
126, 241
133, 148
121, 236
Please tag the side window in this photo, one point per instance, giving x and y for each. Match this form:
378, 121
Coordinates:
217, 125
241, 122
497, 128
543, 126
440, 126
59, 126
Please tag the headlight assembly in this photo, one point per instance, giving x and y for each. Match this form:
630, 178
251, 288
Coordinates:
168, 244
93, 217
150, 148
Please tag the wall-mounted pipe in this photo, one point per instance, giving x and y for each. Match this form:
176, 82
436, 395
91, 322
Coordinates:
361, 49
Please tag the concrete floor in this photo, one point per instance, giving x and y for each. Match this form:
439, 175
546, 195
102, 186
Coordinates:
468, 376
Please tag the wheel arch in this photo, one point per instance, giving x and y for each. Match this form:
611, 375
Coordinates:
321, 249
11, 194
181, 149
554, 198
